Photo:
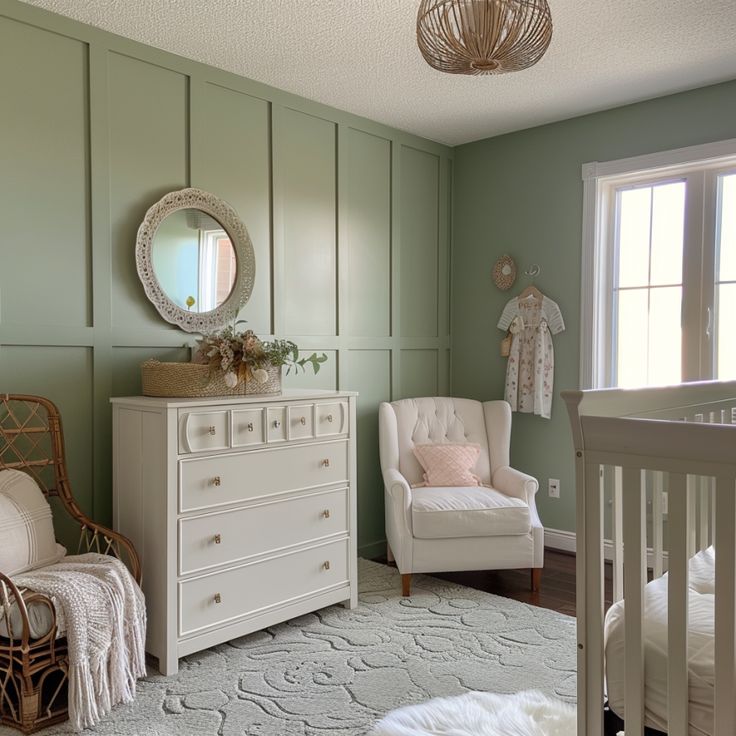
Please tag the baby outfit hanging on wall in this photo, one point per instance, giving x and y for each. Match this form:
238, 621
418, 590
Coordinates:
532, 319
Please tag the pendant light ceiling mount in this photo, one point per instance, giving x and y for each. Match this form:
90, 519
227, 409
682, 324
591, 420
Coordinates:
483, 36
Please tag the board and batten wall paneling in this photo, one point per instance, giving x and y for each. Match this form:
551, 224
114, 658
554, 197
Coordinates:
148, 157
420, 197
231, 157
349, 221
419, 373
44, 159
305, 217
64, 373
368, 234
370, 372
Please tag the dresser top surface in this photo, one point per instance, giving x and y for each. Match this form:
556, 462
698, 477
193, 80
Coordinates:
287, 395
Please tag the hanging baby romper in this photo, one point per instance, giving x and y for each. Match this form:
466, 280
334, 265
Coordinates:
531, 364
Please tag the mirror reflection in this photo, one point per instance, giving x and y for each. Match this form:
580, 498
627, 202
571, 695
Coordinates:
194, 260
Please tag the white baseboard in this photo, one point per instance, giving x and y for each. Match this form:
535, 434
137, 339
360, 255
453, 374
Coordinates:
560, 540
564, 541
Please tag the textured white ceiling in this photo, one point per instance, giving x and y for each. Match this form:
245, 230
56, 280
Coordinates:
361, 56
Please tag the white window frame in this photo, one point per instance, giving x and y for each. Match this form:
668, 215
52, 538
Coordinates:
600, 180
208, 268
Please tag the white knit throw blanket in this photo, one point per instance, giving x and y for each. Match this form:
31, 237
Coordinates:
102, 612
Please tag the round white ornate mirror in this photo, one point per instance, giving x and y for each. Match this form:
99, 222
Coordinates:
195, 260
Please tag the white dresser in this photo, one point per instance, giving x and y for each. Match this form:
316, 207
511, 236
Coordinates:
243, 511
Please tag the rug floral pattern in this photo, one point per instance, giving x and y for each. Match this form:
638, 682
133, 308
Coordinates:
338, 671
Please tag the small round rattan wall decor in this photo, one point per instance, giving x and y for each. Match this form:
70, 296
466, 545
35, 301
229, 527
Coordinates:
504, 272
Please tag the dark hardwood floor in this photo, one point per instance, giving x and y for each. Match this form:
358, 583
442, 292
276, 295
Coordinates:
558, 583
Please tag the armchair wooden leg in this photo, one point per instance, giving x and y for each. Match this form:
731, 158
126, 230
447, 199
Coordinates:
406, 585
536, 579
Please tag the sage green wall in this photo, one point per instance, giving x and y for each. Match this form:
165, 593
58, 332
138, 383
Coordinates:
522, 194
349, 219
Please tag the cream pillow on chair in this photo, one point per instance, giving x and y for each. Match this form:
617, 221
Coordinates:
27, 538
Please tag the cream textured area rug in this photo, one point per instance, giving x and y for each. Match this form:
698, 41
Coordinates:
337, 672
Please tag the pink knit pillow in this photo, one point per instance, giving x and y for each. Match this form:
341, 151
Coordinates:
448, 465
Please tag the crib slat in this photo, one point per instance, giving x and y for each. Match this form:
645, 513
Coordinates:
677, 608
712, 487
725, 600
634, 577
593, 637
703, 513
657, 523
691, 538
617, 522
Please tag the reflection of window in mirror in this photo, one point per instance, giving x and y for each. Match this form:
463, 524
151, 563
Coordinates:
217, 268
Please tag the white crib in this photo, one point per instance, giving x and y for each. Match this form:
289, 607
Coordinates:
656, 469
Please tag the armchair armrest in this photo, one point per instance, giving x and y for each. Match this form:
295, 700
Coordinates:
399, 491
23, 620
95, 537
516, 484
399, 528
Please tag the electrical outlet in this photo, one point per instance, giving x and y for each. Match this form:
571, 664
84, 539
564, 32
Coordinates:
553, 487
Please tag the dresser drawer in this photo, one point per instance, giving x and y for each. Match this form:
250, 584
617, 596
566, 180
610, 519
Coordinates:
300, 421
331, 419
229, 536
248, 427
199, 431
225, 479
276, 424
218, 598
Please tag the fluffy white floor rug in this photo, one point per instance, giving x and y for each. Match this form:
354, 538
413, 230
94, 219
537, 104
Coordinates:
482, 714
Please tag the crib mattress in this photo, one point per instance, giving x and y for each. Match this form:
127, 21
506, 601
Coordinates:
701, 638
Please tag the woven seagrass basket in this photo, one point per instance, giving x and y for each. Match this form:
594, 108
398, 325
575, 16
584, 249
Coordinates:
192, 380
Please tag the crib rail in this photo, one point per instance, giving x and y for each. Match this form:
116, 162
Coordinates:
657, 469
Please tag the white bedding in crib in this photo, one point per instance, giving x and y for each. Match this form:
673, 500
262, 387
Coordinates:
700, 649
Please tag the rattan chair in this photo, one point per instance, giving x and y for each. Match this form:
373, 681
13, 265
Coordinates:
33, 672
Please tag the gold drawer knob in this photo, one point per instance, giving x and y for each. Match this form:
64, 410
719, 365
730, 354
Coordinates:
250, 426
329, 417
217, 538
302, 420
326, 565
325, 463
216, 481
326, 514
212, 429
218, 598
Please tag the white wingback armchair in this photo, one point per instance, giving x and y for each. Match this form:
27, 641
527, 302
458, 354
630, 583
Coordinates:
439, 529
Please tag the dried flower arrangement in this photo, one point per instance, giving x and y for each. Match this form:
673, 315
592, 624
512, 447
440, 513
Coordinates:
242, 356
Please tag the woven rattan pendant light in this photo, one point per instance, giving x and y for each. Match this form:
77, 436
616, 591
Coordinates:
483, 36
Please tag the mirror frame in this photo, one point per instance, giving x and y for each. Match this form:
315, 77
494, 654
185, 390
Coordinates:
221, 211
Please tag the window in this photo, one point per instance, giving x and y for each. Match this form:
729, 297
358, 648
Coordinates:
217, 268
659, 268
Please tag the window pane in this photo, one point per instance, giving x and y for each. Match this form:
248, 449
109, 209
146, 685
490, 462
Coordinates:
668, 221
725, 332
727, 228
665, 336
633, 246
632, 338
